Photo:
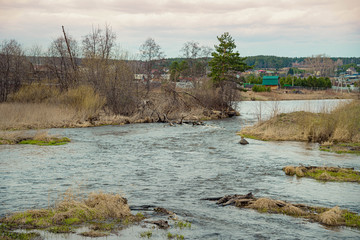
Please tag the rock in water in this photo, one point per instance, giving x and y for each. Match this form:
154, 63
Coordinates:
243, 141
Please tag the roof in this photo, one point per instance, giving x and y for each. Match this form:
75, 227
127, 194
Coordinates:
270, 80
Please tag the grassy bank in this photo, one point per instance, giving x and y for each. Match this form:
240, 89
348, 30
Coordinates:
41, 138
324, 173
101, 212
337, 128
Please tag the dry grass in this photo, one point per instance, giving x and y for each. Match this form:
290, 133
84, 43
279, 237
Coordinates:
289, 170
308, 95
324, 173
35, 115
331, 217
94, 234
264, 203
74, 210
341, 125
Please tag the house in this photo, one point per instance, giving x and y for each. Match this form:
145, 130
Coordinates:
271, 81
351, 71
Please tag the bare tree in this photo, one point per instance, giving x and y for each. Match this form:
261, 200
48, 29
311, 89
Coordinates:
35, 57
150, 52
99, 43
14, 68
191, 51
321, 65
60, 63
98, 48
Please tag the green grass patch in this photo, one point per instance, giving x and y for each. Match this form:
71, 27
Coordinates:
52, 142
351, 219
146, 234
342, 176
61, 229
324, 173
6, 233
175, 236
339, 148
182, 224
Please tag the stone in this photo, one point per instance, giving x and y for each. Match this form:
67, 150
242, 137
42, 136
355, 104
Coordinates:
243, 141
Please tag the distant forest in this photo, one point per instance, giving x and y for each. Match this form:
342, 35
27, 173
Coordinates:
263, 61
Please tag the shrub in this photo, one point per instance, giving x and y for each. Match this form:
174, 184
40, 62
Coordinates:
84, 99
34, 93
261, 88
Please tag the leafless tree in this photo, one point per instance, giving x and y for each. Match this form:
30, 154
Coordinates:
150, 52
35, 56
321, 65
60, 63
99, 43
98, 48
14, 68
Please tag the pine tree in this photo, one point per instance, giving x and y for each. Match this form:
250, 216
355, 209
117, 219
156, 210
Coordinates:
226, 63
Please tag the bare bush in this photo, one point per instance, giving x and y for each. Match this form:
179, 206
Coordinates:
14, 68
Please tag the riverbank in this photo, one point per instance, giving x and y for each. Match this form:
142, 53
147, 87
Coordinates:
22, 116
337, 128
283, 94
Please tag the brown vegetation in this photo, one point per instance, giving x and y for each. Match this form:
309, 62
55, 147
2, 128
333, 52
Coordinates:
38, 138
341, 125
283, 94
101, 212
324, 173
327, 216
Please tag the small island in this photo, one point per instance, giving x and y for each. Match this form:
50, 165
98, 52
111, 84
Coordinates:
337, 131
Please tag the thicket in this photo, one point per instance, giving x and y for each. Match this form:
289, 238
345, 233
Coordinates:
261, 88
93, 77
311, 81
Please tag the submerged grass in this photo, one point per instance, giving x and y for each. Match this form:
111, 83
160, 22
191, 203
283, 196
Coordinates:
324, 173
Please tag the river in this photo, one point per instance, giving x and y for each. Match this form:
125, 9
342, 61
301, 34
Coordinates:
174, 167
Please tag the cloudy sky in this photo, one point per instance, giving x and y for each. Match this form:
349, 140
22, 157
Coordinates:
259, 27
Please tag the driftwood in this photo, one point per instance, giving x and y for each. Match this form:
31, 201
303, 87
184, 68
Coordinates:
327, 216
162, 224
232, 199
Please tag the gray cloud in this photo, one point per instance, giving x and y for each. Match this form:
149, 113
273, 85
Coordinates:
178, 21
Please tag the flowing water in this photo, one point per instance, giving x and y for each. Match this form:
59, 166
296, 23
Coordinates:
174, 167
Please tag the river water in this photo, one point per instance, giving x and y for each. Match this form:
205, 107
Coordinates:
174, 167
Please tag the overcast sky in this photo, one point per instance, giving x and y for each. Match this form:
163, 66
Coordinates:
259, 27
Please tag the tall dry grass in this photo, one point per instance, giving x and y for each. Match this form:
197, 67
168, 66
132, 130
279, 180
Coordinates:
340, 125
35, 115
44, 106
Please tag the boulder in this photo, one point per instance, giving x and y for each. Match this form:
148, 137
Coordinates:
243, 141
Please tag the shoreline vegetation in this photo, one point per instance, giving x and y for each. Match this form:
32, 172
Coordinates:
41, 138
324, 173
337, 131
40, 106
327, 216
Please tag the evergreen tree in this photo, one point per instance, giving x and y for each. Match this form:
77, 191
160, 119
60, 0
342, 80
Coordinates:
225, 62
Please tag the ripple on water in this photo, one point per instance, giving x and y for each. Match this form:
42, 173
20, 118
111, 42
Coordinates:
176, 167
